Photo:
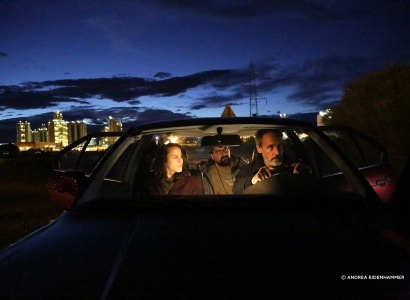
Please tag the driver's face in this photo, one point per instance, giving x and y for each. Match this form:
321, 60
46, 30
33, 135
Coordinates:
271, 149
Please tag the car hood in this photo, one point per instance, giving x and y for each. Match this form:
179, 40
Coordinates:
155, 252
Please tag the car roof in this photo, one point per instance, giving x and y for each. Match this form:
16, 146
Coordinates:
207, 126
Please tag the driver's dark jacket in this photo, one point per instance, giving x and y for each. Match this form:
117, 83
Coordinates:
245, 174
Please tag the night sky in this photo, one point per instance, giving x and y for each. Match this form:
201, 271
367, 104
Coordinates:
139, 60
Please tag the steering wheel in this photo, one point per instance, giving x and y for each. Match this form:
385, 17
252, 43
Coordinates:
289, 185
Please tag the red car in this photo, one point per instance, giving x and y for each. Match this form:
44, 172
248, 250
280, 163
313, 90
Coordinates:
367, 155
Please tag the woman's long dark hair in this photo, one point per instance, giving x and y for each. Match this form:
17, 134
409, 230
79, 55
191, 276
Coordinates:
160, 171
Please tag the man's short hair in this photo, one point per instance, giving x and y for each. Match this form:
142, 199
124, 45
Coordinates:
261, 132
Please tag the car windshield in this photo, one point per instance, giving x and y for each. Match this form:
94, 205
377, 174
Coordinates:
213, 159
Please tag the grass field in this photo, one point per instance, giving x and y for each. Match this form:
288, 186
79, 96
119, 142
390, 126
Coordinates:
24, 203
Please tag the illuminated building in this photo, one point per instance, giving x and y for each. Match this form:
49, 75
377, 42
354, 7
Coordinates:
58, 130
57, 135
322, 115
113, 126
43, 134
76, 130
23, 132
40, 135
44, 146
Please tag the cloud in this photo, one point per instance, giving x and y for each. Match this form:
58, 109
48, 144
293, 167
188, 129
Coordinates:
4, 54
245, 9
134, 102
218, 101
112, 20
315, 83
320, 81
20, 98
120, 89
162, 75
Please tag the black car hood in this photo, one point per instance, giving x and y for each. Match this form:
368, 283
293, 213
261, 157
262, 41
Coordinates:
75, 254
206, 252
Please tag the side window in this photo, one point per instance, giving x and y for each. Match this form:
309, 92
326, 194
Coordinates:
344, 141
121, 167
289, 151
360, 149
93, 153
70, 159
247, 148
321, 164
373, 152
86, 155
135, 162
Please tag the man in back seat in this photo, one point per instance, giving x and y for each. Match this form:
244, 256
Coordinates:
220, 171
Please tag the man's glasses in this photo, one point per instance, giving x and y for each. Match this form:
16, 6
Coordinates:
224, 150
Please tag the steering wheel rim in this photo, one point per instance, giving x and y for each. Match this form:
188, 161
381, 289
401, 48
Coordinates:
289, 185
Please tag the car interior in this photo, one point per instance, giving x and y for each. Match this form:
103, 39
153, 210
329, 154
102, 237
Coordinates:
126, 175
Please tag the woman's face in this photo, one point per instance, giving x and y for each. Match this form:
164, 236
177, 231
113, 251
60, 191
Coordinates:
174, 161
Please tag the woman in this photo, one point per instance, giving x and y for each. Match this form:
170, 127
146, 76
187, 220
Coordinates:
170, 176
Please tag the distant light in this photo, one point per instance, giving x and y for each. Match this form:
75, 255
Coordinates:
174, 139
327, 113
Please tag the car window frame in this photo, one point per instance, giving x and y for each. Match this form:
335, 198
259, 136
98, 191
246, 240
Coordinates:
85, 140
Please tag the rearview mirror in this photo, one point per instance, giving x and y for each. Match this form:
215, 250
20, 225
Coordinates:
222, 140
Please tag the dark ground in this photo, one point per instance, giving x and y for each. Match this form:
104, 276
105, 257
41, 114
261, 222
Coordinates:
24, 202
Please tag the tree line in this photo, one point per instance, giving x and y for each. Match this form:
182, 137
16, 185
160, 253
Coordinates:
378, 104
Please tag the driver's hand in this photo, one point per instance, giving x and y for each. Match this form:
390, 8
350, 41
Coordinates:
262, 174
301, 168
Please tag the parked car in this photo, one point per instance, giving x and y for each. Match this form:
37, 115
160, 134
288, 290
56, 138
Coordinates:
80, 157
9, 151
368, 155
289, 236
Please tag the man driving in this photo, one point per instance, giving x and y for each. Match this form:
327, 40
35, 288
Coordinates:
268, 162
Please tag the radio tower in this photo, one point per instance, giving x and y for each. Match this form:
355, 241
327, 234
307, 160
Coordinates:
253, 98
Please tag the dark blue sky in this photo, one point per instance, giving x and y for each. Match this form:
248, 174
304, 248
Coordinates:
141, 60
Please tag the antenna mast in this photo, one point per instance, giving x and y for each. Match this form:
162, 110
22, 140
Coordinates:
253, 98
